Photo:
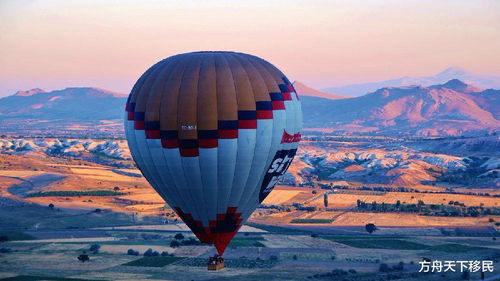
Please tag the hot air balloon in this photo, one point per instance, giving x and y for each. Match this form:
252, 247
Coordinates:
213, 132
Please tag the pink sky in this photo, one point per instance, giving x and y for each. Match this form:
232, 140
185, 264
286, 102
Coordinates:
108, 44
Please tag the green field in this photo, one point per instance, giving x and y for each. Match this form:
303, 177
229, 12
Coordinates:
154, 261
396, 243
16, 235
247, 242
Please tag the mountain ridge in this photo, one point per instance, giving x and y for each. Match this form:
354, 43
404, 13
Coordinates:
450, 73
450, 109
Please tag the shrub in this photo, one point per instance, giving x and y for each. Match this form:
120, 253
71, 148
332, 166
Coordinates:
83, 258
295, 257
148, 253
174, 244
132, 252
384, 268
370, 227
5, 250
94, 248
273, 258
399, 266
179, 236
352, 271
164, 254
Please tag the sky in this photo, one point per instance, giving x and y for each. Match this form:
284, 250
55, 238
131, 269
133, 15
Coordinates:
109, 44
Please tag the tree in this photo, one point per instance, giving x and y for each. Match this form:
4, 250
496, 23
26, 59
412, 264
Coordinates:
358, 203
116, 188
95, 248
179, 236
174, 244
325, 200
4, 238
370, 228
384, 268
164, 254
148, 253
83, 258
420, 204
51, 206
132, 252
399, 266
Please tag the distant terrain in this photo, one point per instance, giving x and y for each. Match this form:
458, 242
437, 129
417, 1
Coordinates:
450, 109
420, 163
482, 81
60, 198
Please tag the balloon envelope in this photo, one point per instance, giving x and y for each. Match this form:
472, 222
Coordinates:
213, 132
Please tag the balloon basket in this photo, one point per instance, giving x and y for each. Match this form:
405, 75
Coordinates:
215, 263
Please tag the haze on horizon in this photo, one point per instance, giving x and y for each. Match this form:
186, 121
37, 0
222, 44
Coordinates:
109, 44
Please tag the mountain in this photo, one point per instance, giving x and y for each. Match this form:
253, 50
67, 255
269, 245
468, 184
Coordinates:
449, 109
69, 103
304, 90
71, 112
485, 82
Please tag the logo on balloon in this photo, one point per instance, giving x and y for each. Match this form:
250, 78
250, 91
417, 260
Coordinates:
276, 170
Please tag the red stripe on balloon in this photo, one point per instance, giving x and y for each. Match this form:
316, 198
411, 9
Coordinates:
278, 105
287, 96
150, 134
139, 125
264, 114
170, 143
208, 143
130, 115
189, 152
247, 124
228, 134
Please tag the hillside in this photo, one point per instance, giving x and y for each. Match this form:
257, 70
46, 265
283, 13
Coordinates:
449, 109
77, 112
69, 103
450, 73
306, 91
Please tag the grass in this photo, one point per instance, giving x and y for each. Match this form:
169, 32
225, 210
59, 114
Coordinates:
231, 263
154, 261
397, 243
70, 193
311, 221
278, 229
32, 214
16, 235
38, 278
247, 242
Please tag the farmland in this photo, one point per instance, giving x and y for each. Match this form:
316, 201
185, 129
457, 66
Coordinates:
311, 227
